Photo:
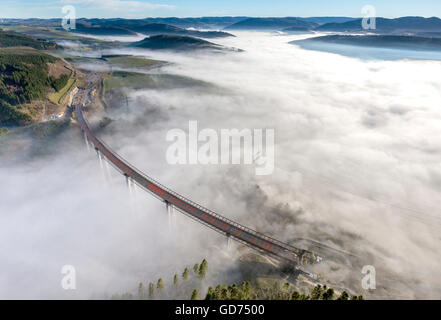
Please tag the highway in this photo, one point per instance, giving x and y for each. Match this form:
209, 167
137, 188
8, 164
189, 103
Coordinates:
281, 251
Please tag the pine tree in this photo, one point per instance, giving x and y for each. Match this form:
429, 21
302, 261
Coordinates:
185, 274
210, 294
225, 293
195, 295
234, 292
160, 285
295, 296
141, 291
245, 290
316, 293
344, 296
151, 290
176, 280
328, 294
196, 268
203, 269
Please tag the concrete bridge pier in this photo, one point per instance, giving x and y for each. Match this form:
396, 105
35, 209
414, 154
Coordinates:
127, 181
107, 171
228, 242
86, 140
170, 214
130, 185
100, 158
169, 208
102, 164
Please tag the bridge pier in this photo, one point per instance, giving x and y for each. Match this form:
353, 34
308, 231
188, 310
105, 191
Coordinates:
127, 181
170, 214
103, 165
87, 141
107, 171
228, 241
98, 153
130, 185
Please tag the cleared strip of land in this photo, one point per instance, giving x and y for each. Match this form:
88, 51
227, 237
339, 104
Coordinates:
59, 96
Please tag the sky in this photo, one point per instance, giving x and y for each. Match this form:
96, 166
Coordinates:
196, 8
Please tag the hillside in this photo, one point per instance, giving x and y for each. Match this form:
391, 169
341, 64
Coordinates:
174, 42
206, 23
123, 27
198, 23
383, 25
323, 20
380, 41
13, 39
161, 28
27, 76
272, 24
87, 28
296, 29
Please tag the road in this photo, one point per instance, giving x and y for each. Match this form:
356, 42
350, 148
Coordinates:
264, 244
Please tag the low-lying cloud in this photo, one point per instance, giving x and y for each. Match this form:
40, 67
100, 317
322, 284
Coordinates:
356, 168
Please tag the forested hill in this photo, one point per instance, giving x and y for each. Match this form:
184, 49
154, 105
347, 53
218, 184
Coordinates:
380, 41
24, 78
174, 42
13, 39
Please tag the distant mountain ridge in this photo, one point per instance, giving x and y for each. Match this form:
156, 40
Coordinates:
323, 20
87, 28
127, 27
272, 24
212, 23
401, 25
398, 25
180, 26
380, 41
161, 28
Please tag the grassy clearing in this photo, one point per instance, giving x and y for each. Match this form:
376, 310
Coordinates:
20, 51
133, 80
50, 33
41, 32
130, 62
58, 97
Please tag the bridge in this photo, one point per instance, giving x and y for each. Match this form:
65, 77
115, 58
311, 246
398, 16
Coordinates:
283, 252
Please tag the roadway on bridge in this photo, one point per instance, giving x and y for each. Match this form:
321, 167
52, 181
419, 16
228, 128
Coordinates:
264, 244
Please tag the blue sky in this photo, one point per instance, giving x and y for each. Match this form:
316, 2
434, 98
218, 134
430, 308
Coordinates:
193, 8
